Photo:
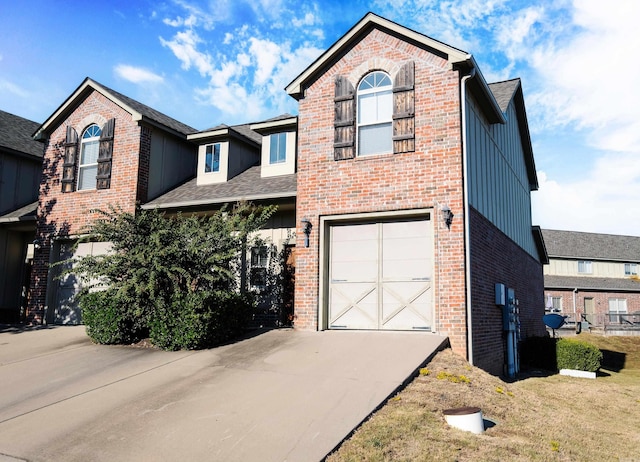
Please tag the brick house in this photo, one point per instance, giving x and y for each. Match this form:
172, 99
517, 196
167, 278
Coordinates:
101, 149
403, 184
20, 171
593, 279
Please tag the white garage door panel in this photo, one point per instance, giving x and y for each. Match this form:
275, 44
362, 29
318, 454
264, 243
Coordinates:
380, 275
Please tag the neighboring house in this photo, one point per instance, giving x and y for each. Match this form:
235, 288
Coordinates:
593, 278
20, 171
102, 149
403, 183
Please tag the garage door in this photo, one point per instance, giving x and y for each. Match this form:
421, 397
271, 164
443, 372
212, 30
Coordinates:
66, 310
380, 275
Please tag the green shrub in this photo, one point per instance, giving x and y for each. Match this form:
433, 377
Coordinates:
196, 320
107, 319
578, 355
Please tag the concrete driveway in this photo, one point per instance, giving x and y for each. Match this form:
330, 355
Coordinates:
282, 395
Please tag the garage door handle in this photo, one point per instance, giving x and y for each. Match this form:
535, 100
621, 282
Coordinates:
420, 279
338, 280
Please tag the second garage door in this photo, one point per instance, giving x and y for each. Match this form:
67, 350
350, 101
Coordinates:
380, 275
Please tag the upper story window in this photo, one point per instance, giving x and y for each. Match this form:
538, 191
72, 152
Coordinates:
630, 269
277, 148
212, 158
374, 113
89, 150
584, 267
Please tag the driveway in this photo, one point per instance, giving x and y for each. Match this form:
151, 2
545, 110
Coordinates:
281, 395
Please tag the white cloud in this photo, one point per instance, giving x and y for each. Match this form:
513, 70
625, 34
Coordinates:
184, 46
604, 200
588, 80
266, 55
10, 87
137, 74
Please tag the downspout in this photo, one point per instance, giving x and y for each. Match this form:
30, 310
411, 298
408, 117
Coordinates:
465, 195
575, 311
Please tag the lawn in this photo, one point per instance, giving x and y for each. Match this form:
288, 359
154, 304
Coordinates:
540, 418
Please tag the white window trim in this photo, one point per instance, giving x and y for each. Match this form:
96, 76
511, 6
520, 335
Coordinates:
359, 125
213, 150
588, 266
81, 167
630, 269
282, 139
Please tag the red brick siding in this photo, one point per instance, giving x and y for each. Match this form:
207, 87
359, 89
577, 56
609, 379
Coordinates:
61, 214
497, 259
429, 177
600, 301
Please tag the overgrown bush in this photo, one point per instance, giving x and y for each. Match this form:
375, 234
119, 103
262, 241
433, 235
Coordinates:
172, 277
108, 318
578, 355
195, 320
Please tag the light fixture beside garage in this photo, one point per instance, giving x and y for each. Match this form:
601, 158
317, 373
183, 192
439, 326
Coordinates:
447, 215
306, 229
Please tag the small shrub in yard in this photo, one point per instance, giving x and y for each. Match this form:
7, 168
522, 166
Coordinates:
578, 355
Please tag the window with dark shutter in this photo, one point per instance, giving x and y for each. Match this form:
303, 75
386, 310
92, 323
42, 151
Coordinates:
344, 122
103, 177
69, 163
404, 109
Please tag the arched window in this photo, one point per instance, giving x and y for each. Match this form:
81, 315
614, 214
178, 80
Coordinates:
88, 167
374, 111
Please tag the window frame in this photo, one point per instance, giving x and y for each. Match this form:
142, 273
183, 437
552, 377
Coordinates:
92, 140
630, 269
259, 263
615, 312
281, 148
585, 267
216, 148
377, 89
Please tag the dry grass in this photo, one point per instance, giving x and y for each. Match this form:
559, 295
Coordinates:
554, 418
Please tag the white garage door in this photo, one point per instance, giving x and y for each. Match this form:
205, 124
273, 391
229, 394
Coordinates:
380, 275
66, 310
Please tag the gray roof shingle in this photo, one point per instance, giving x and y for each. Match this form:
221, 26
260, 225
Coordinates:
151, 113
27, 212
591, 283
503, 92
248, 185
591, 246
15, 134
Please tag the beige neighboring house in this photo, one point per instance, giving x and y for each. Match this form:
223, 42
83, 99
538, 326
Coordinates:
593, 279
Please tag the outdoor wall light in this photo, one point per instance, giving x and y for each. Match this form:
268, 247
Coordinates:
306, 229
36, 244
447, 215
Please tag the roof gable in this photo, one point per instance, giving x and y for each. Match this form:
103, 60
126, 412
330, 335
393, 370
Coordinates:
139, 112
355, 34
506, 93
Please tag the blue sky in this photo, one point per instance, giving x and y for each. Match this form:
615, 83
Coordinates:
228, 61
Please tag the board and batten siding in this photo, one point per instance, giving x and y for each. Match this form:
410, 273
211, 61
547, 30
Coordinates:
569, 267
498, 181
172, 162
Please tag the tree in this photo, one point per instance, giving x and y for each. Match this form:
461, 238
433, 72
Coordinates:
172, 278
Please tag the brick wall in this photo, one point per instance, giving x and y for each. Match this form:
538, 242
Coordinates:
429, 177
66, 214
497, 259
600, 301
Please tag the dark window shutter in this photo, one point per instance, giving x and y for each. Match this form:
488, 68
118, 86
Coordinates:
344, 122
404, 109
103, 178
69, 163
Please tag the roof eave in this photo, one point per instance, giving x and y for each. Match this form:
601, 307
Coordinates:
220, 134
265, 127
217, 201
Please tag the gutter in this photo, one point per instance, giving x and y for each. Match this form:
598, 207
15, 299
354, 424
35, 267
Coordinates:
465, 195
221, 200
